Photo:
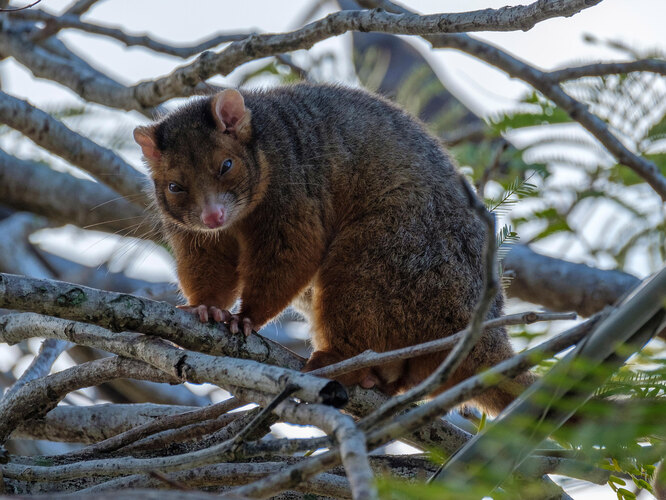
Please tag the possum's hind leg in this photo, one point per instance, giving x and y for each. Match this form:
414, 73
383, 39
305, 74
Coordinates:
357, 304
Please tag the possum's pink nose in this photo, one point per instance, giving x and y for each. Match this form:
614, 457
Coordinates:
213, 216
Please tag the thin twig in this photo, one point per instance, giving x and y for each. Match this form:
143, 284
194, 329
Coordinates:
57, 23
21, 8
262, 416
56, 137
603, 69
159, 424
372, 358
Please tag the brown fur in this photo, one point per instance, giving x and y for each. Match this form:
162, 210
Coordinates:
338, 202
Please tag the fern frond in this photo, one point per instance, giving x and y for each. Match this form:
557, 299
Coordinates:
520, 188
505, 238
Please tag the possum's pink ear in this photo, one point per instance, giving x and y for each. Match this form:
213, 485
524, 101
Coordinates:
230, 113
145, 137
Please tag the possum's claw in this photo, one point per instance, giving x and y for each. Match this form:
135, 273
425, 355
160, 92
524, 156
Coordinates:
207, 312
235, 321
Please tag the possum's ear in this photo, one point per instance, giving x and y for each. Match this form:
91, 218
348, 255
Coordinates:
231, 115
145, 137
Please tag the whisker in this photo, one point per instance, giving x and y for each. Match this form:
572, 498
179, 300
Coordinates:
111, 221
125, 197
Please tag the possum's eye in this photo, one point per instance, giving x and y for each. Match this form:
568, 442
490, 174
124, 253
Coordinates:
225, 166
175, 188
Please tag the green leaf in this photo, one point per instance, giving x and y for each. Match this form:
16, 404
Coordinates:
542, 112
626, 493
617, 480
658, 130
642, 483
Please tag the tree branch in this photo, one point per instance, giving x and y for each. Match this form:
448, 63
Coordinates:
26, 185
90, 424
57, 23
564, 286
53, 61
549, 87
183, 79
156, 425
603, 69
372, 358
37, 397
55, 137
181, 364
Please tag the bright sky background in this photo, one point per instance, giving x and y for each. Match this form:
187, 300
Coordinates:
553, 43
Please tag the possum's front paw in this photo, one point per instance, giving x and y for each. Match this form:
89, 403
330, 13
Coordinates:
220, 316
205, 312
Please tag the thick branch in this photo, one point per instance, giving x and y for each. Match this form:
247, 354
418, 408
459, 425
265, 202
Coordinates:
157, 425
181, 364
90, 424
118, 312
55, 137
39, 396
26, 185
564, 286
53, 61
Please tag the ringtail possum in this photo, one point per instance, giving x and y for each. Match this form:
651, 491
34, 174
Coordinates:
336, 201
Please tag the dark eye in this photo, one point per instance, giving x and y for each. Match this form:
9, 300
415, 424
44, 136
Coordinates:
225, 166
175, 188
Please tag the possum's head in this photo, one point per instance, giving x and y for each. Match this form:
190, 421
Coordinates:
204, 173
